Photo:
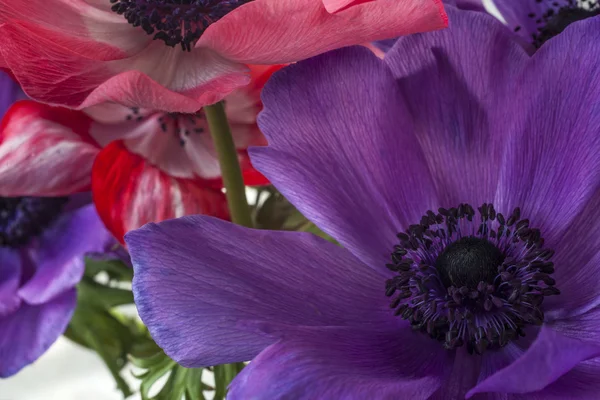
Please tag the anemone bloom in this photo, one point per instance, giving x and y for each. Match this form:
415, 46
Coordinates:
43, 242
466, 196
142, 165
180, 55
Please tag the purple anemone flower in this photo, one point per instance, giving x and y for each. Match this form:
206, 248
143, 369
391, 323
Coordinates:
461, 177
42, 246
43, 241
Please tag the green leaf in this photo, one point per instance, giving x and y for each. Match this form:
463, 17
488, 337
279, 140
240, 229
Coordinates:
116, 269
181, 383
101, 331
274, 212
96, 325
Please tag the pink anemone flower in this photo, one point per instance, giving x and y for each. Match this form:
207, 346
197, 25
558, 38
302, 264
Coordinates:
141, 165
180, 55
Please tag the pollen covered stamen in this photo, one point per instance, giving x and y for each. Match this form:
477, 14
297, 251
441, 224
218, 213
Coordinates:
178, 125
468, 279
23, 218
175, 21
468, 261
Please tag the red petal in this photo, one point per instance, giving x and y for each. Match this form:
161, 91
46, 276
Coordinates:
251, 176
129, 192
45, 151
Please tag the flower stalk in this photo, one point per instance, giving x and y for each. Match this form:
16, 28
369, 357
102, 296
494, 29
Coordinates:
229, 162
236, 200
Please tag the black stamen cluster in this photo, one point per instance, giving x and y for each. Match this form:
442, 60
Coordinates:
23, 218
175, 21
559, 15
491, 290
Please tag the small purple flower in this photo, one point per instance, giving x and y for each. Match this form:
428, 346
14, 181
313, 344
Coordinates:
462, 178
42, 246
43, 241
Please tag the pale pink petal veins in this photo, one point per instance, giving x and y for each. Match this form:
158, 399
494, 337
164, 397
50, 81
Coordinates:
284, 31
44, 151
159, 77
78, 26
334, 6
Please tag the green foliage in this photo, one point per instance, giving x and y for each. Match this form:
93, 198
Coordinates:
119, 340
177, 383
97, 325
277, 213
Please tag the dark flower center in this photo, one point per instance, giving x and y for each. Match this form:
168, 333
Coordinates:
175, 21
23, 218
180, 126
471, 278
559, 15
468, 261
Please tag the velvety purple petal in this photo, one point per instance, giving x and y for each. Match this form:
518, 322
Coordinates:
196, 278
455, 84
550, 356
471, 5
551, 167
583, 327
577, 264
10, 91
28, 333
341, 149
580, 383
10, 279
60, 254
344, 363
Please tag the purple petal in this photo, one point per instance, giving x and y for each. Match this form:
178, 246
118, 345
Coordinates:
552, 164
196, 278
580, 383
10, 279
60, 254
577, 263
28, 333
471, 5
344, 363
455, 82
10, 92
341, 149
583, 327
550, 356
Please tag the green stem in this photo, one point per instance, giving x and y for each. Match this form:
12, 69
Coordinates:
230, 165
224, 374
238, 206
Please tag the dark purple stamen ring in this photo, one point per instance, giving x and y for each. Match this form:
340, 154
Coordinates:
175, 21
471, 278
23, 218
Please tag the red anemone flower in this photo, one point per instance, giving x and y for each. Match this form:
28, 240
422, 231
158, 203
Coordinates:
141, 165
177, 55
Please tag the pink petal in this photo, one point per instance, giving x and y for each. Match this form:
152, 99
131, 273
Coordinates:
334, 6
86, 27
129, 192
159, 77
44, 151
284, 31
